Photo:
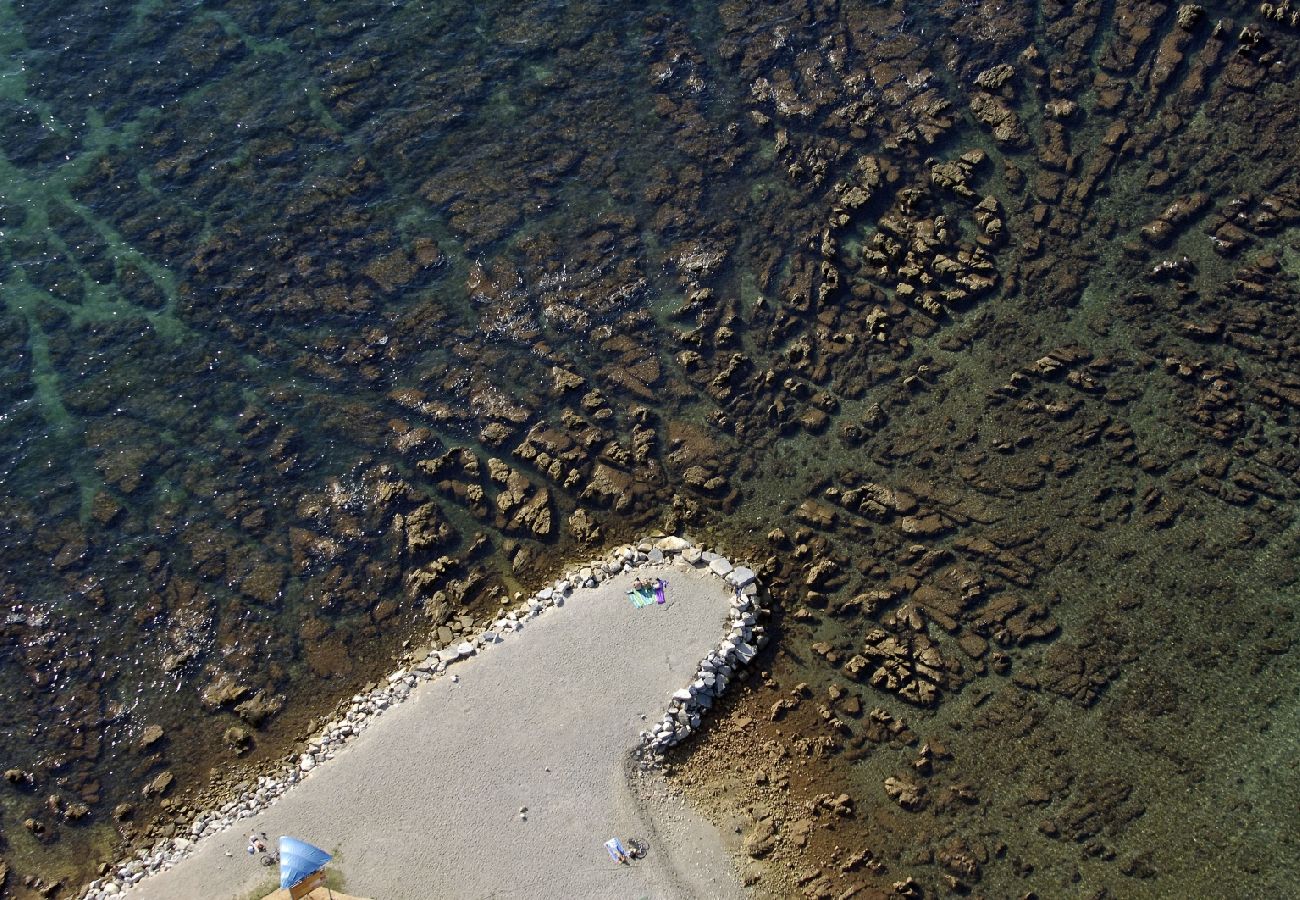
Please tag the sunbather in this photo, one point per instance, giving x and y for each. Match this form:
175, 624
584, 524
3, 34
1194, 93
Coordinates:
617, 851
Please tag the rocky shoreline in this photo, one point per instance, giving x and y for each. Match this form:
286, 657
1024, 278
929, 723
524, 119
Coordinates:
734, 652
744, 638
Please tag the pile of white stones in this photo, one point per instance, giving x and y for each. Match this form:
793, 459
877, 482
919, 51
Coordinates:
717, 670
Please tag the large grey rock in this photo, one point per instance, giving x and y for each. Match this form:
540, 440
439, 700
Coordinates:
720, 566
672, 544
693, 556
741, 576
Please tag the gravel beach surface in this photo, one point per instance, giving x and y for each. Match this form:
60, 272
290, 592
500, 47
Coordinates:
506, 781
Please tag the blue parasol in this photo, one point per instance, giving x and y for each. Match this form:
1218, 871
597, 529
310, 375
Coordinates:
298, 859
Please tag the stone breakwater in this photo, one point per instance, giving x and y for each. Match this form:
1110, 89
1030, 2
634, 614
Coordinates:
745, 636
716, 671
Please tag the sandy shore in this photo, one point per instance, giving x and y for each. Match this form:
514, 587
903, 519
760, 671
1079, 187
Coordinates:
426, 802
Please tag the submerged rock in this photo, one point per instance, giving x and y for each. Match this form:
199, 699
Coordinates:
151, 735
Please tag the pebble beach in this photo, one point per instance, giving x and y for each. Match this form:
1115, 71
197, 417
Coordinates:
499, 766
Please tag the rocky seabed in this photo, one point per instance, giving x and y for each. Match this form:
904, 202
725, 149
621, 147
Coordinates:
686, 709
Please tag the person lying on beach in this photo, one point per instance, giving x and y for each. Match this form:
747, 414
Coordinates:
617, 851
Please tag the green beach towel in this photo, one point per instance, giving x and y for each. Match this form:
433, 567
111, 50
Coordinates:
641, 597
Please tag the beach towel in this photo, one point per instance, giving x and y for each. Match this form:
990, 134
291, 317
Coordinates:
641, 597
615, 847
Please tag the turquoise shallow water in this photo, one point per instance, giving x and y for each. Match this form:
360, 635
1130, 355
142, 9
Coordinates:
327, 323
